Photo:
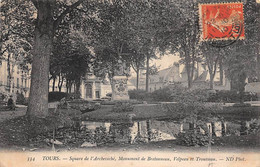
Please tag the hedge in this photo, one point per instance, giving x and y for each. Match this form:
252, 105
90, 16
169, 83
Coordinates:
176, 93
56, 96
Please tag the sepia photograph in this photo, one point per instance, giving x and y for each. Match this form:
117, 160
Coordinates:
171, 83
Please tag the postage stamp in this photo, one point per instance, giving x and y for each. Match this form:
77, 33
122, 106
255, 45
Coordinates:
222, 21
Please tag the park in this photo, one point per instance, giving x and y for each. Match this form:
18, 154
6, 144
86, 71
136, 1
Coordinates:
82, 75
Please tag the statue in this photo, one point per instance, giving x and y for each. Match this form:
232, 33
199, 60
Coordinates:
119, 84
121, 68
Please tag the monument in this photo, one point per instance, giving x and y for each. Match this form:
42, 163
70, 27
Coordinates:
119, 81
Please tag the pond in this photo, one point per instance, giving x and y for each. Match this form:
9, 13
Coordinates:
159, 130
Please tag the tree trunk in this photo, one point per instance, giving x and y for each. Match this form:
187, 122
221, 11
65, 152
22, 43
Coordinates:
61, 79
9, 72
188, 70
74, 87
211, 82
43, 43
241, 86
67, 85
233, 84
147, 75
53, 84
192, 71
70, 88
258, 65
137, 78
198, 70
221, 72
77, 85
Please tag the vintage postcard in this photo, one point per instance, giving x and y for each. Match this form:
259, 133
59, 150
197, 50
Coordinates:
168, 83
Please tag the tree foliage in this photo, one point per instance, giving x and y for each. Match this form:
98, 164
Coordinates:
16, 35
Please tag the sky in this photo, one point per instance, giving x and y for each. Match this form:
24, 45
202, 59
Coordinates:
165, 61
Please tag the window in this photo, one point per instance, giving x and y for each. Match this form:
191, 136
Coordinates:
97, 94
8, 83
22, 83
25, 83
13, 88
89, 91
17, 82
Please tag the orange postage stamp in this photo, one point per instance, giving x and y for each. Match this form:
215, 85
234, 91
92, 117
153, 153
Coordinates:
222, 21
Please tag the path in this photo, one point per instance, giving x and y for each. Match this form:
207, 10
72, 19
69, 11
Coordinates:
20, 111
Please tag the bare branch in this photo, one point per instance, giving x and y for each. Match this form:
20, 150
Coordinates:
65, 12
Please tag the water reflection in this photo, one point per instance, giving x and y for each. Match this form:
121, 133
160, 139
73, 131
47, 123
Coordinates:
137, 131
156, 130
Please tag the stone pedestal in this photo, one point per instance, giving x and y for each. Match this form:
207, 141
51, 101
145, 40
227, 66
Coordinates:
119, 88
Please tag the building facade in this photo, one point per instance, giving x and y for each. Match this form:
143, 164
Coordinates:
176, 74
14, 79
93, 87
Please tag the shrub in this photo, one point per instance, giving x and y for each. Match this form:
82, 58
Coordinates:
2, 97
138, 94
230, 96
250, 96
101, 136
200, 94
184, 95
71, 96
162, 94
254, 126
172, 93
20, 99
227, 96
190, 138
56, 96
123, 107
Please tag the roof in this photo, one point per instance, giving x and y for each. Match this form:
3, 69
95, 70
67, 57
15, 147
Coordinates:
202, 77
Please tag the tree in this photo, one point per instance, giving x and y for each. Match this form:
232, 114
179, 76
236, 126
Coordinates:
240, 59
71, 58
239, 64
190, 39
211, 57
256, 20
112, 38
50, 14
181, 38
137, 63
149, 19
120, 35
79, 61
15, 36
221, 71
